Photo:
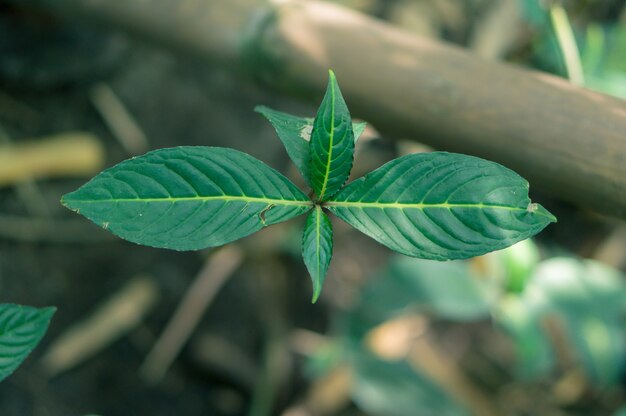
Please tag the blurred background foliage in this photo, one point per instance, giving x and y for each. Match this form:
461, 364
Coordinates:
536, 329
563, 317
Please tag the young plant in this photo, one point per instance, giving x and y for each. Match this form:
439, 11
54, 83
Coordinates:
438, 205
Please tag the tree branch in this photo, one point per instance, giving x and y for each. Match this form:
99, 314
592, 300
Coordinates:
566, 140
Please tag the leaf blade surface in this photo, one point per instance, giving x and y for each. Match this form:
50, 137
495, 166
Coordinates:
331, 149
317, 248
21, 329
441, 206
295, 134
188, 198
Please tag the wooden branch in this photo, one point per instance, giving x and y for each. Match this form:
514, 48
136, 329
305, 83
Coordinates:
65, 154
566, 140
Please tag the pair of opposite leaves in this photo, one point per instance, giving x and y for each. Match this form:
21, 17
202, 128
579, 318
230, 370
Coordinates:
439, 205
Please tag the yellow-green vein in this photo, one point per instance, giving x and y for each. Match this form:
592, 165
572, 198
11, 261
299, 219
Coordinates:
318, 222
331, 133
420, 205
272, 201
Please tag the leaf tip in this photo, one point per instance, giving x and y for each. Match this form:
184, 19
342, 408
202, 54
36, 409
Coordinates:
317, 290
47, 313
535, 208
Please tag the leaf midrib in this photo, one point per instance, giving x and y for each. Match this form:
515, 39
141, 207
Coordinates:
331, 138
318, 220
421, 205
284, 202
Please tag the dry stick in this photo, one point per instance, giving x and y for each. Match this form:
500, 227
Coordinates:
118, 119
566, 140
198, 297
276, 360
498, 31
327, 395
66, 154
27, 189
427, 356
406, 337
114, 318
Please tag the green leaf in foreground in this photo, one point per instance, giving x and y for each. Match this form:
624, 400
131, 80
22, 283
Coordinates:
331, 149
441, 206
317, 248
21, 329
295, 133
188, 198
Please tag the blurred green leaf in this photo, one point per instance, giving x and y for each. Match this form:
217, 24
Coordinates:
621, 411
513, 265
21, 329
447, 290
393, 388
602, 50
533, 350
589, 299
535, 13
604, 59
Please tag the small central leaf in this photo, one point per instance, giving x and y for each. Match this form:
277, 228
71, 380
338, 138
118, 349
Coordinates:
317, 247
295, 133
331, 149
188, 198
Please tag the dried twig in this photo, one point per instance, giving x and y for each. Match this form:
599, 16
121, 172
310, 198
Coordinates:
119, 120
110, 321
199, 296
67, 154
27, 190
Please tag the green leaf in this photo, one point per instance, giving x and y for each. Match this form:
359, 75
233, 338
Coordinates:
447, 290
519, 318
21, 329
590, 300
621, 411
295, 133
331, 149
317, 248
441, 206
585, 298
188, 198
512, 266
393, 388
